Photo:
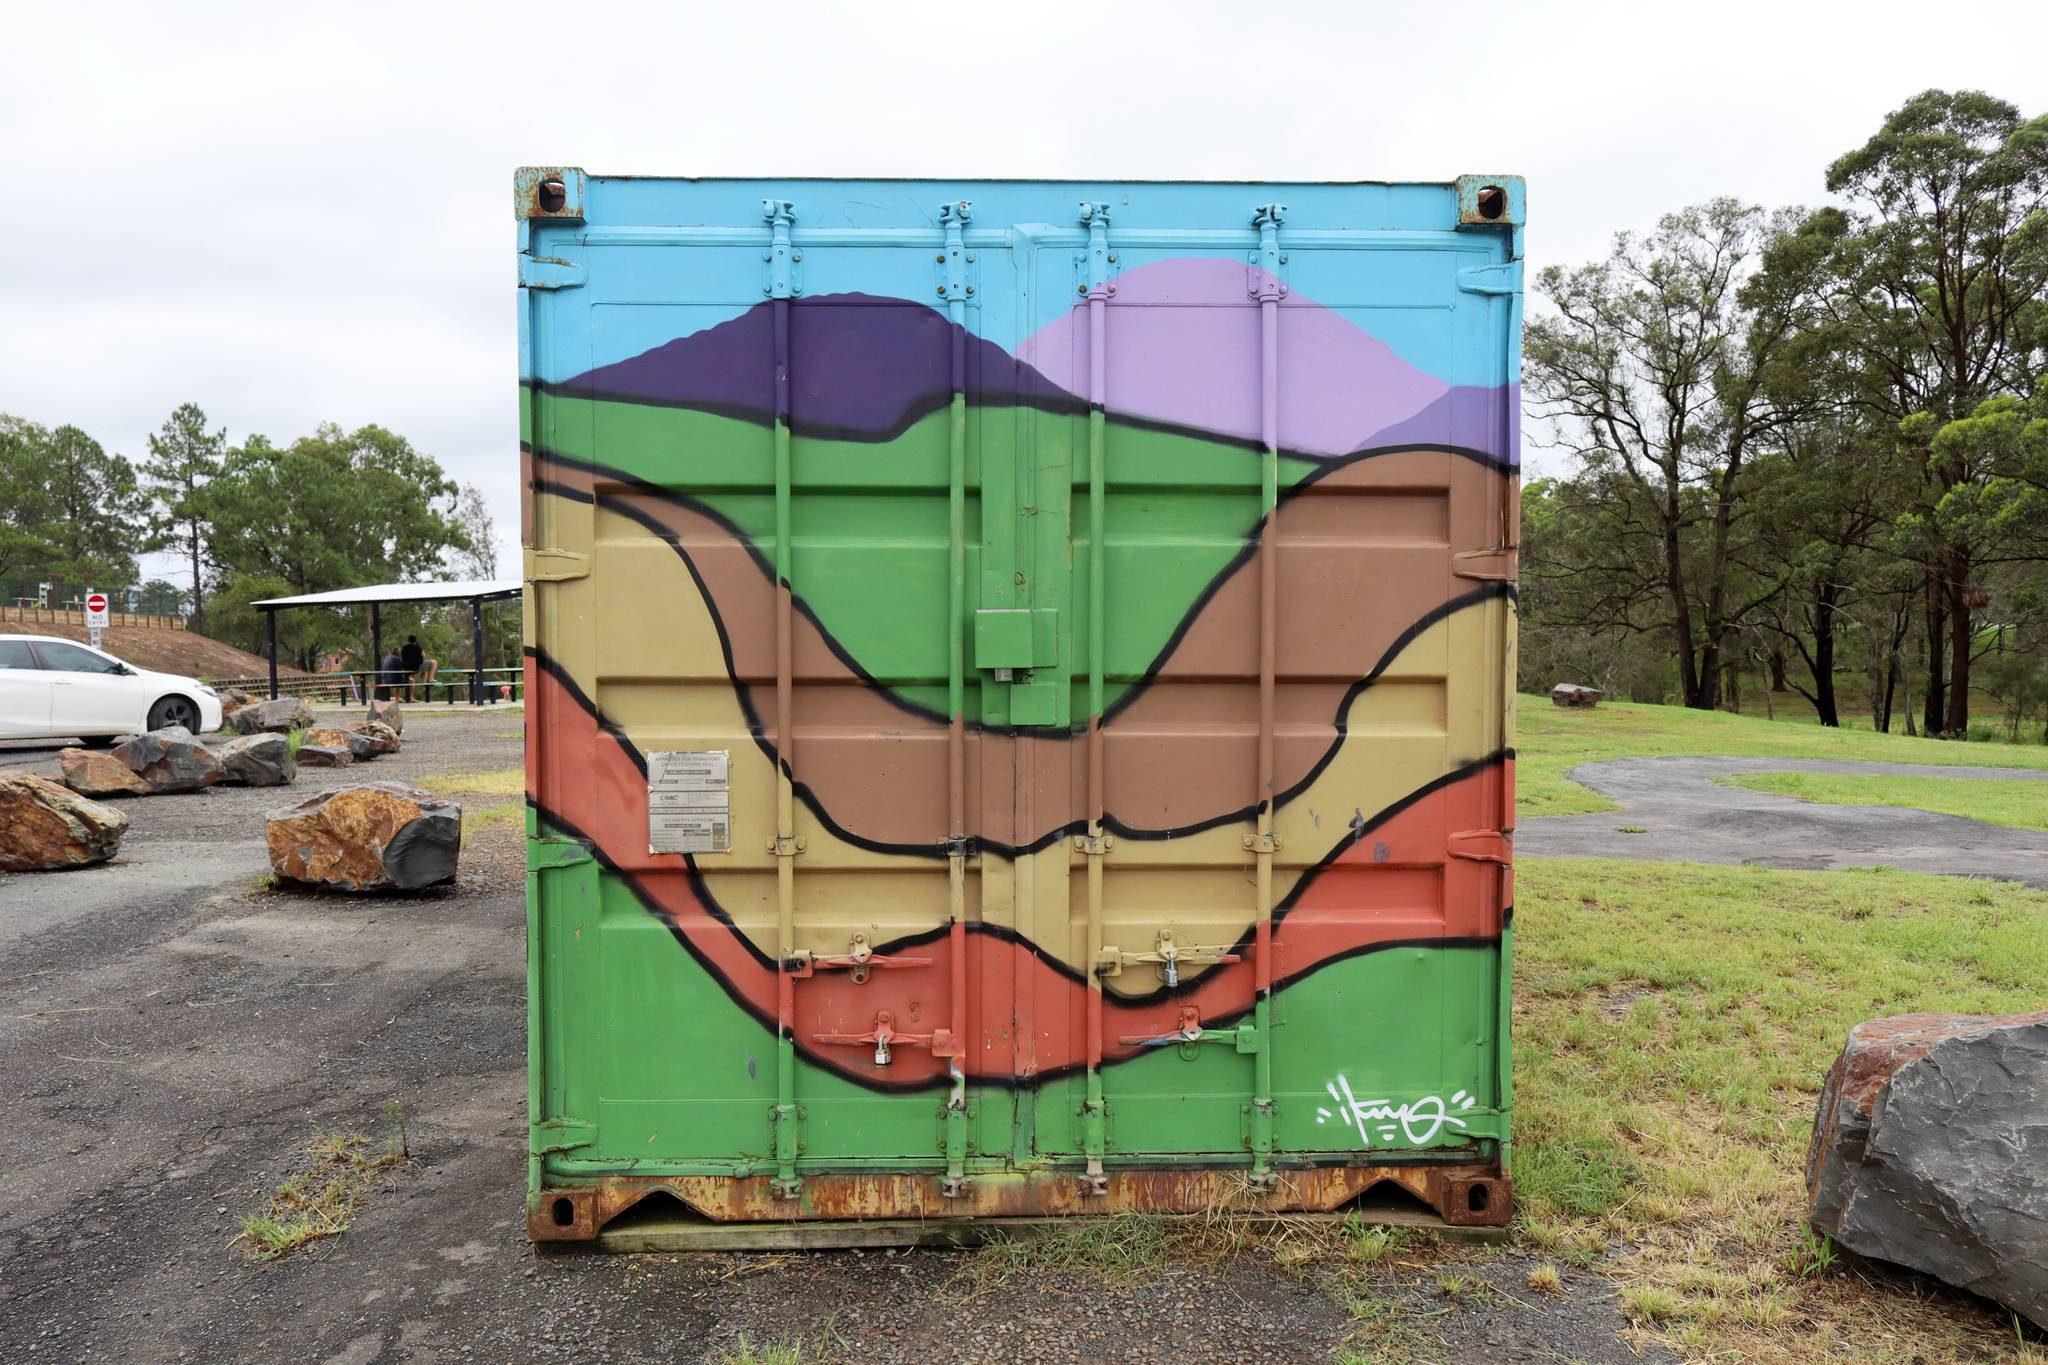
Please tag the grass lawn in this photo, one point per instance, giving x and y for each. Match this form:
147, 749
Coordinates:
2023, 805
1551, 739
1673, 1024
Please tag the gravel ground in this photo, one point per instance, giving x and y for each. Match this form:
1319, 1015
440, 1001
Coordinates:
1678, 812
175, 1030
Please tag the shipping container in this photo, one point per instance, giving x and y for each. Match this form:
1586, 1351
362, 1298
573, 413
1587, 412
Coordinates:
1019, 695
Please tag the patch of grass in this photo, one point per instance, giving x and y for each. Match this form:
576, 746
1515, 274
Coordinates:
1546, 1279
508, 734
778, 1353
2020, 803
1673, 1025
478, 818
321, 1200
1126, 1247
1551, 739
492, 782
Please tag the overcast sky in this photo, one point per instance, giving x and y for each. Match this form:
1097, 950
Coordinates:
291, 214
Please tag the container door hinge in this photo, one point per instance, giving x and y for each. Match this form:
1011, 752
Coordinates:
1264, 278
552, 851
1094, 262
1167, 954
1244, 1037
1491, 566
954, 275
556, 566
550, 272
785, 262
563, 1135
1502, 277
1483, 845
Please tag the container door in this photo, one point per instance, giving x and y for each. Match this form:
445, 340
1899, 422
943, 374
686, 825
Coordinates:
1280, 545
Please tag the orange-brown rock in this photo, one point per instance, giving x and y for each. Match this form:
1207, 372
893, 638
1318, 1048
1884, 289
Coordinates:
388, 713
44, 826
90, 773
373, 836
360, 746
324, 756
381, 738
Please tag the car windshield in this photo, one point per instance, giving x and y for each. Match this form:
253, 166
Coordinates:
72, 659
15, 654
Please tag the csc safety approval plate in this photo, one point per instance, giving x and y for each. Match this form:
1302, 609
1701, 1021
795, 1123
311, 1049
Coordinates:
689, 802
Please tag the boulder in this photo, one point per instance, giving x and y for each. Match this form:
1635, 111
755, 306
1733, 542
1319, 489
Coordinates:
387, 713
233, 699
373, 836
169, 760
279, 717
1576, 695
93, 773
324, 756
44, 826
1929, 1151
381, 737
258, 761
360, 746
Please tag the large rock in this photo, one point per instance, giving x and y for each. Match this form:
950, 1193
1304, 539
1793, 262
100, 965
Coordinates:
233, 699
258, 761
1930, 1150
279, 717
44, 826
381, 738
388, 713
360, 746
169, 760
93, 773
1576, 695
373, 836
324, 756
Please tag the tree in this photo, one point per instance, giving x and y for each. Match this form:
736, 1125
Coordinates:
98, 511
476, 557
1664, 368
183, 458
1942, 287
24, 497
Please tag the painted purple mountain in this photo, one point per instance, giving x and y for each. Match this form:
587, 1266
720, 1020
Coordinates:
1183, 348
860, 366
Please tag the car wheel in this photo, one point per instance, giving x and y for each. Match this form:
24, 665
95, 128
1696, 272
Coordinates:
174, 711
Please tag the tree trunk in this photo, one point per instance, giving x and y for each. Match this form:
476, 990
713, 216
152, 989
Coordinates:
1960, 639
1732, 672
1824, 660
1935, 703
198, 611
1689, 668
1777, 662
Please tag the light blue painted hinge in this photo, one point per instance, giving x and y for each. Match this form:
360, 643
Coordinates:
1094, 263
551, 272
1502, 277
785, 276
954, 260
1263, 280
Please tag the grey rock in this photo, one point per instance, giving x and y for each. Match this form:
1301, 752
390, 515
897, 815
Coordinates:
1930, 1150
388, 713
271, 717
324, 756
1576, 695
258, 761
380, 738
169, 760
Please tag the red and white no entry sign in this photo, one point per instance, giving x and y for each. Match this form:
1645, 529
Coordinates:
96, 610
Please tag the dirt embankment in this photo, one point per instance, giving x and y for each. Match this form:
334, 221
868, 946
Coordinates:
161, 651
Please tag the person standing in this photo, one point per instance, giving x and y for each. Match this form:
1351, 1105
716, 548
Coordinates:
413, 658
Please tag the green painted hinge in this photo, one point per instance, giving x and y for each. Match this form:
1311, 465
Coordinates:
569, 1133
555, 852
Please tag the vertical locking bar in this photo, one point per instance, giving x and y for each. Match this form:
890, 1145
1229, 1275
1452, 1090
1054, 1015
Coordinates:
1267, 221
953, 217
1094, 1124
780, 215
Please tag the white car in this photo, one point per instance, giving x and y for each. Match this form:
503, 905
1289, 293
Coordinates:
56, 689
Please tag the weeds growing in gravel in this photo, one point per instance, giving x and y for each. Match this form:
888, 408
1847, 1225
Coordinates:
320, 1201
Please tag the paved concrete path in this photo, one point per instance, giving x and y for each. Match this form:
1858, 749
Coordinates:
1687, 816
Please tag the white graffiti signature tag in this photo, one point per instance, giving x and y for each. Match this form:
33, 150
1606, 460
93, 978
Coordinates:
1417, 1122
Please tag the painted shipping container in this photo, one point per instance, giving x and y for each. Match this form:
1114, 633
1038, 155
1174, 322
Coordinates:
1019, 695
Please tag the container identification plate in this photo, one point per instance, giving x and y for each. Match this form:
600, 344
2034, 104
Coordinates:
689, 802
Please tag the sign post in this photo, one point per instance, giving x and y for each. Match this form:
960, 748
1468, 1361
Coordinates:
95, 614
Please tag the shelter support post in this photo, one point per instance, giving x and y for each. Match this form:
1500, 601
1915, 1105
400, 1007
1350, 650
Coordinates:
476, 675
270, 633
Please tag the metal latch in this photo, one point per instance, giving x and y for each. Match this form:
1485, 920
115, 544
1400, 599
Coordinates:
1244, 1037
856, 962
1094, 845
884, 1037
785, 280
1482, 845
783, 847
556, 566
1167, 954
1267, 842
